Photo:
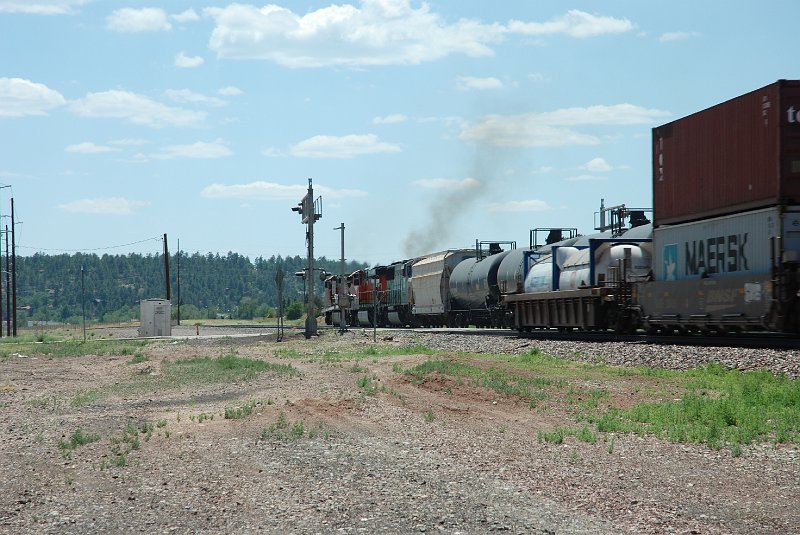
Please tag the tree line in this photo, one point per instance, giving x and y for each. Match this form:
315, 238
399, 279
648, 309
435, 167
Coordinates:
58, 288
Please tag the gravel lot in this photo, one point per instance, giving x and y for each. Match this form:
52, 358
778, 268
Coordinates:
430, 457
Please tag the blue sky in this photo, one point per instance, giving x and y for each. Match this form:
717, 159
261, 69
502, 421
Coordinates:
424, 126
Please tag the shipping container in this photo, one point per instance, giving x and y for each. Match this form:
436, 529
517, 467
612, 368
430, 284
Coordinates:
749, 243
736, 156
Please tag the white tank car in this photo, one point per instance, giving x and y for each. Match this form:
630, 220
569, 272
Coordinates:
576, 268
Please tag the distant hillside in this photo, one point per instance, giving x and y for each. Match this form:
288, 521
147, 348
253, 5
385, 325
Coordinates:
49, 286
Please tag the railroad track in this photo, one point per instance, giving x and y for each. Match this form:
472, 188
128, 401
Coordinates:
740, 340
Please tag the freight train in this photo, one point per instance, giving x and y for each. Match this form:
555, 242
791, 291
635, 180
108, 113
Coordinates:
722, 252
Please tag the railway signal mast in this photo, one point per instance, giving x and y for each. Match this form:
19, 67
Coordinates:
310, 210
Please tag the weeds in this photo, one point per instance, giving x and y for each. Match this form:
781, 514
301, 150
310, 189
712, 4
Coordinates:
529, 388
367, 385
199, 370
79, 438
282, 430
429, 416
357, 368
237, 413
138, 358
122, 446
46, 346
722, 408
557, 435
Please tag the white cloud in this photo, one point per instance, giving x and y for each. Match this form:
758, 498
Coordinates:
597, 165
148, 19
20, 97
87, 147
585, 178
531, 205
199, 150
447, 183
270, 191
230, 91
677, 36
188, 62
390, 119
574, 23
551, 129
376, 32
342, 146
103, 206
130, 142
185, 96
272, 152
379, 32
190, 15
135, 108
465, 83
41, 7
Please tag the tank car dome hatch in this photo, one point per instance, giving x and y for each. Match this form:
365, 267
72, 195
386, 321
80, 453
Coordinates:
583, 241
641, 232
545, 249
637, 218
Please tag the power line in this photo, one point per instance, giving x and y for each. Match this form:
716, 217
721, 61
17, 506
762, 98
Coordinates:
157, 238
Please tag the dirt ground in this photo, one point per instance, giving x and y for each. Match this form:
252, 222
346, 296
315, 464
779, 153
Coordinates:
324, 453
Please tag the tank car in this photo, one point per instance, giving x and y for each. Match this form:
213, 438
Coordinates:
474, 290
587, 282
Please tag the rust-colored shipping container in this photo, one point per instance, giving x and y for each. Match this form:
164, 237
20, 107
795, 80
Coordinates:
739, 155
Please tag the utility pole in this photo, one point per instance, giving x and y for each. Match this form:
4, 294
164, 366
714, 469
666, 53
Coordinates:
279, 284
8, 295
13, 271
341, 293
83, 306
178, 260
166, 267
8, 289
307, 208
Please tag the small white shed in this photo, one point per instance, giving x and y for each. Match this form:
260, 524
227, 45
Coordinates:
155, 317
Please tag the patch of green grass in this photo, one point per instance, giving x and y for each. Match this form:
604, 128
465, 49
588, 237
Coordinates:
138, 358
720, 408
556, 436
429, 416
492, 378
72, 348
122, 446
86, 397
367, 385
283, 430
586, 435
333, 355
595, 396
357, 368
43, 403
198, 370
237, 413
78, 438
